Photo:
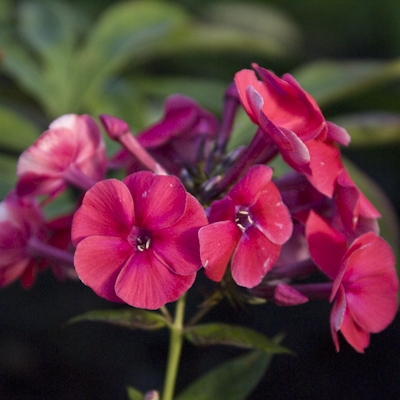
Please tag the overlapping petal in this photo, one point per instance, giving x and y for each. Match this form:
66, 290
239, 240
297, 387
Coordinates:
107, 210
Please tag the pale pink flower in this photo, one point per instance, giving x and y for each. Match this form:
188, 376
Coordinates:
72, 151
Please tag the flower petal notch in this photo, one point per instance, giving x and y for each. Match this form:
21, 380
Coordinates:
137, 240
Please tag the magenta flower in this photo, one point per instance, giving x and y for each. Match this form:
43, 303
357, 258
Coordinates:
250, 222
182, 137
21, 224
72, 151
365, 282
136, 240
292, 119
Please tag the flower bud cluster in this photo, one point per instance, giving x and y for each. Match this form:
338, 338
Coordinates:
186, 204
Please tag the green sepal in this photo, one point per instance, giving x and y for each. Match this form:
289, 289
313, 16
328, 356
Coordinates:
233, 380
131, 318
233, 335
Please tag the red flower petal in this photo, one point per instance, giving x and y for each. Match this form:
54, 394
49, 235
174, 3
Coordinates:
247, 190
327, 246
271, 216
145, 282
217, 243
159, 200
178, 245
371, 283
98, 262
254, 256
107, 210
355, 335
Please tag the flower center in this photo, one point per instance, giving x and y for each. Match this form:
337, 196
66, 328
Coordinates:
140, 239
243, 219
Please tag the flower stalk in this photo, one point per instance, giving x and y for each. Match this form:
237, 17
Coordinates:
175, 349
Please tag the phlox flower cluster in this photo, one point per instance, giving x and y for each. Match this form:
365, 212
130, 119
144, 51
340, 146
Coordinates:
187, 204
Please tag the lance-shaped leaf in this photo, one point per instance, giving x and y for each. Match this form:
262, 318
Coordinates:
232, 380
330, 81
129, 318
233, 335
371, 128
134, 394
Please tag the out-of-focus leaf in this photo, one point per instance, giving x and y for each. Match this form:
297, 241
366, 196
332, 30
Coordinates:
51, 27
134, 394
7, 174
265, 23
371, 128
16, 132
127, 31
63, 204
330, 81
388, 224
233, 335
232, 380
130, 318
209, 93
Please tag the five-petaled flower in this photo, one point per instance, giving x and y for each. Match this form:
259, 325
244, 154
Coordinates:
137, 239
251, 222
365, 282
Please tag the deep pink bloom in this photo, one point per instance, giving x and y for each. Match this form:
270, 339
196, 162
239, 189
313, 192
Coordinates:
72, 151
292, 118
250, 222
21, 221
182, 137
137, 239
365, 282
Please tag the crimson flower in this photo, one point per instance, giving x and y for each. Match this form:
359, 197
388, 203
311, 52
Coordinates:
72, 151
292, 118
21, 224
365, 282
250, 222
136, 240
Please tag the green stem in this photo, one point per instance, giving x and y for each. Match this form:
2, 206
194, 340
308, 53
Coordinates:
175, 348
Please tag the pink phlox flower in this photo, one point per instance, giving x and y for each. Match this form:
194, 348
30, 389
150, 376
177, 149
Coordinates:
365, 282
292, 118
136, 240
72, 151
250, 222
182, 137
21, 220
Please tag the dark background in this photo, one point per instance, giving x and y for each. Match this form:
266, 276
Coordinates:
43, 358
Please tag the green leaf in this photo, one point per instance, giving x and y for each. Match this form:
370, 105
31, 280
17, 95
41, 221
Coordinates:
51, 27
265, 24
7, 174
233, 335
371, 128
388, 224
17, 132
130, 318
207, 92
127, 32
232, 380
134, 394
330, 81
